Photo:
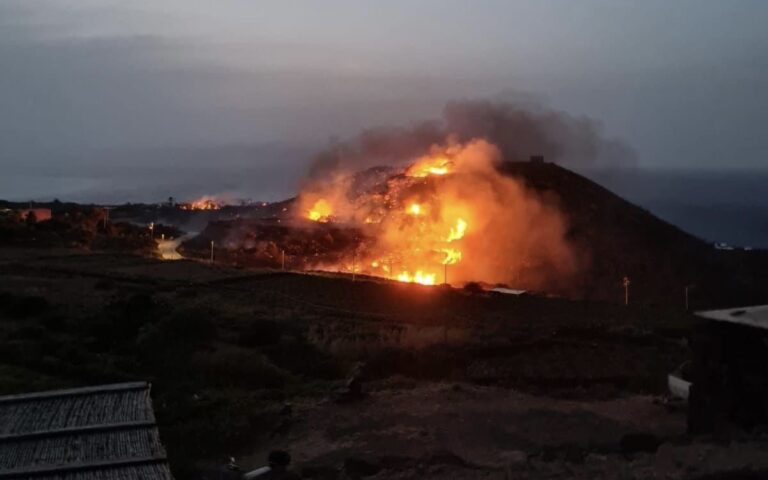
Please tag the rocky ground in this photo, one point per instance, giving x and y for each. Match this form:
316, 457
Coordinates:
408, 430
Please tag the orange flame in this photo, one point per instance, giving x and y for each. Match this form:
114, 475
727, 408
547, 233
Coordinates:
418, 277
321, 211
426, 166
458, 232
202, 203
451, 215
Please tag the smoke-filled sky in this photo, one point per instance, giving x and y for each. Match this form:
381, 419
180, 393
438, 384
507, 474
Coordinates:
102, 97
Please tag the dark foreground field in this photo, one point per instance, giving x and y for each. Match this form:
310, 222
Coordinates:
459, 383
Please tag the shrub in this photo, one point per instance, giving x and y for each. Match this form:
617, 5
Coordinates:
235, 367
302, 358
473, 287
185, 330
120, 321
22, 306
261, 332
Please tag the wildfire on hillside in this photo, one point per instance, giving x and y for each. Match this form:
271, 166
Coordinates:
449, 217
321, 211
203, 203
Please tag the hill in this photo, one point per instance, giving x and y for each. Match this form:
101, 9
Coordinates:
612, 238
622, 239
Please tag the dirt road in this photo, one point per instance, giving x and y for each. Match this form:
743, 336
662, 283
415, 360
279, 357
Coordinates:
168, 248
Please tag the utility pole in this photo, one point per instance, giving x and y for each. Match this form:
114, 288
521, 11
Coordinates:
211, 251
445, 273
688, 288
282, 261
354, 260
626, 284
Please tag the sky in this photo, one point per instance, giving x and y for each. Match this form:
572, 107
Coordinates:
108, 100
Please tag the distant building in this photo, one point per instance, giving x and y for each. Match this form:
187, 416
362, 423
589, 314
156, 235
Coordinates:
537, 159
729, 371
40, 214
106, 433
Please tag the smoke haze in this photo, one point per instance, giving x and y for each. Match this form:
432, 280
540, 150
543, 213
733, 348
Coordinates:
517, 131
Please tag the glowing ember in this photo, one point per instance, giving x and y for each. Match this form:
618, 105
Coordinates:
414, 209
321, 211
418, 277
430, 166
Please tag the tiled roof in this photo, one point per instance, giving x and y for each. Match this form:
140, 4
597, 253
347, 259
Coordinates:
96, 433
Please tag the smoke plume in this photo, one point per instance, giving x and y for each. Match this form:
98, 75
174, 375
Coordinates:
518, 131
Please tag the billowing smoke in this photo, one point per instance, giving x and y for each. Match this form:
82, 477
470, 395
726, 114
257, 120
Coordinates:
518, 131
440, 208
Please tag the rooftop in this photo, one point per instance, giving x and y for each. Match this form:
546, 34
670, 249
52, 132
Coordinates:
756, 316
105, 432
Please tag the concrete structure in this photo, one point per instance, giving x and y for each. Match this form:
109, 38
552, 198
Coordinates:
729, 370
106, 432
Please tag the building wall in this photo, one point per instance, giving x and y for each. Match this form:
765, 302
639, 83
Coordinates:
730, 378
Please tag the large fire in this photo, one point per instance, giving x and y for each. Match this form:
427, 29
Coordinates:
202, 203
321, 211
448, 217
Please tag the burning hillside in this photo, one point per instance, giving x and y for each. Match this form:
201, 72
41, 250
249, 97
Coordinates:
459, 202
203, 203
448, 217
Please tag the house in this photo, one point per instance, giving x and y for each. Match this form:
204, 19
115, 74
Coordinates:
729, 370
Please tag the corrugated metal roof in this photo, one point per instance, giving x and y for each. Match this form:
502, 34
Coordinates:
756, 316
96, 433
509, 291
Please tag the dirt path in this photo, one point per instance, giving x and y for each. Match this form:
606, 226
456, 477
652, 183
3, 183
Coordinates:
168, 248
